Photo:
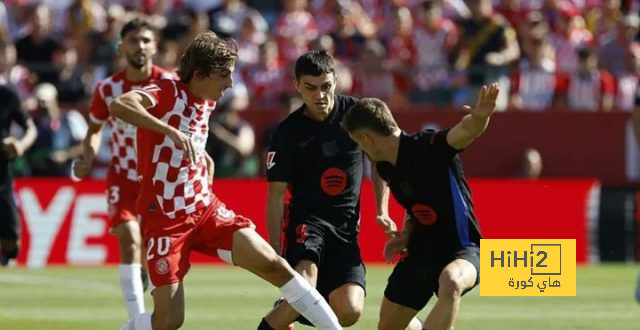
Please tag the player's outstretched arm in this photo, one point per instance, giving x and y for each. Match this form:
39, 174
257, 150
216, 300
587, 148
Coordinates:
131, 108
474, 124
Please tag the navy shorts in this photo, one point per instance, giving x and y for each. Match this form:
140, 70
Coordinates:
338, 258
415, 279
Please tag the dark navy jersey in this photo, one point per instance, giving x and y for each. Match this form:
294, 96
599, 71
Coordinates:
322, 165
428, 182
10, 112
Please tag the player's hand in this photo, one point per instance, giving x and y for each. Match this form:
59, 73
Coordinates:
82, 166
12, 147
395, 246
387, 224
183, 142
486, 104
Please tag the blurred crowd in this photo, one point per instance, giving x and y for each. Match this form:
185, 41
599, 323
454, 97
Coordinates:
547, 55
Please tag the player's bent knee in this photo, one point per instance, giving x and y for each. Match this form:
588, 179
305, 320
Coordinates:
348, 318
450, 287
348, 312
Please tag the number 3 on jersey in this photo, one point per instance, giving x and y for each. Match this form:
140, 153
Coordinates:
114, 194
162, 245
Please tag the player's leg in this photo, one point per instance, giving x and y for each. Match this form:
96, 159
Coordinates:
252, 252
283, 314
168, 310
347, 302
409, 288
122, 195
9, 228
395, 316
167, 257
457, 277
168, 306
344, 278
130, 269
144, 273
303, 249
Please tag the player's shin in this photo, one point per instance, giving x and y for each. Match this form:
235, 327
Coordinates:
131, 285
307, 301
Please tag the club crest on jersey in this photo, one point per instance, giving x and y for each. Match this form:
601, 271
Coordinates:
330, 149
224, 214
270, 156
162, 266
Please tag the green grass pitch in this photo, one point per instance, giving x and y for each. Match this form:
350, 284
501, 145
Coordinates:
219, 297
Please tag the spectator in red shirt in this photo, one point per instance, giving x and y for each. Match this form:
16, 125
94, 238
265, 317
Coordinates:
373, 77
535, 82
589, 89
431, 69
568, 37
267, 80
627, 82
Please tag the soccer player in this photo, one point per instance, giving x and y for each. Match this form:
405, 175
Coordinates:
11, 112
179, 213
635, 121
313, 157
441, 237
138, 45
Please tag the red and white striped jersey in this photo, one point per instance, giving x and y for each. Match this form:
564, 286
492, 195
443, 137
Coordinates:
432, 52
380, 84
585, 92
536, 85
123, 135
566, 48
267, 83
294, 31
170, 180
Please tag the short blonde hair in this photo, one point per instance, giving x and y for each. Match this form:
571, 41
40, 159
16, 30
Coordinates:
372, 114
